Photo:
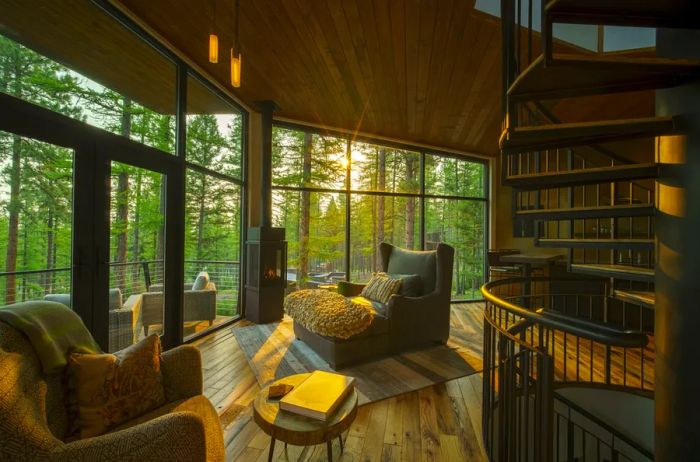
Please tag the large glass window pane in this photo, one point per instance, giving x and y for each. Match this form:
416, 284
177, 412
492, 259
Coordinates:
315, 226
89, 76
214, 131
306, 159
377, 219
36, 197
377, 168
137, 233
461, 224
212, 251
448, 176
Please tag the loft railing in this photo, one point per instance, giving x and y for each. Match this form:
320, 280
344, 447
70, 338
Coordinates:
130, 277
542, 334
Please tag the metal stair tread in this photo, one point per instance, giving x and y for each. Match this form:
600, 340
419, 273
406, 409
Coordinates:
571, 75
641, 13
638, 297
538, 137
646, 244
582, 176
632, 273
605, 211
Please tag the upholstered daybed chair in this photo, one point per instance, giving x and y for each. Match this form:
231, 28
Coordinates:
34, 416
406, 322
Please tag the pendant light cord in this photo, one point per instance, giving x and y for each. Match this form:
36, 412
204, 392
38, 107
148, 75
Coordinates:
236, 44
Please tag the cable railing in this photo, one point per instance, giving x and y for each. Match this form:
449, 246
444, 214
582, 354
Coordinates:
544, 334
131, 278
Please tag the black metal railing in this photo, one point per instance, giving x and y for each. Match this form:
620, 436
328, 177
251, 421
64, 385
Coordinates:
541, 334
130, 277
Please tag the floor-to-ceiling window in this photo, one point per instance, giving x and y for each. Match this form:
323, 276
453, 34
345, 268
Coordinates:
167, 179
338, 198
213, 208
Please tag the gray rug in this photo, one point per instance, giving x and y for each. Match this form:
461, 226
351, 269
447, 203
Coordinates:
273, 353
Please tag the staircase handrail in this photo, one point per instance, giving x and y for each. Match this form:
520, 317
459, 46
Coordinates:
590, 330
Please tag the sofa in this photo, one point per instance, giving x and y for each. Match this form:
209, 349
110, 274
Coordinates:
405, 322
123, 317
199, 305
34, 424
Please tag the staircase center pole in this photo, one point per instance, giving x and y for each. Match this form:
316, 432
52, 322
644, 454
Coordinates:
677, 318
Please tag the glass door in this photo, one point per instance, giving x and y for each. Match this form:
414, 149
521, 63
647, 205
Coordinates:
136, 253
36, 223
92, 220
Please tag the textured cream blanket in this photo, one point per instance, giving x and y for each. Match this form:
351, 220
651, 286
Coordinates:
328, 313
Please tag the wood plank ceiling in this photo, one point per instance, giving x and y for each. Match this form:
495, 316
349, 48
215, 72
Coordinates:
423, 71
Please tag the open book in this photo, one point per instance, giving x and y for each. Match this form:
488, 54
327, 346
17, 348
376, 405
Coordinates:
319, 395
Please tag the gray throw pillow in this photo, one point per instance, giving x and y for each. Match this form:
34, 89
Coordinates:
201, 282
411, 284
115, 299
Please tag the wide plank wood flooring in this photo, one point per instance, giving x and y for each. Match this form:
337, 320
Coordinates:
438, 423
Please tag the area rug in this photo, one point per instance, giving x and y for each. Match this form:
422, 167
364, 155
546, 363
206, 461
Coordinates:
273, 353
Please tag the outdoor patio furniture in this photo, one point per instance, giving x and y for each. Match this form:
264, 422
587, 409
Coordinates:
123, 318
199, 305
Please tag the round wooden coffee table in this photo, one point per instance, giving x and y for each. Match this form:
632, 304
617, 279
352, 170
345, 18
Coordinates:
297, 429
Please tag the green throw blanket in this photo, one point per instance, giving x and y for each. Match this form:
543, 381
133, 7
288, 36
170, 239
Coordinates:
53, 330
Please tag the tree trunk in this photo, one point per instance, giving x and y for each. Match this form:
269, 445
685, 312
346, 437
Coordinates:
305, 218
201, 219
47, 277
123, 203
381, 186
13, 224
410, 206
160, 235
135, 245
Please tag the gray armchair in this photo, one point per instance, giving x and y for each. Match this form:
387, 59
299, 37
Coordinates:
406, 322
199, 305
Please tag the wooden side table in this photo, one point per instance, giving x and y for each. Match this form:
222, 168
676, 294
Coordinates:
297, 429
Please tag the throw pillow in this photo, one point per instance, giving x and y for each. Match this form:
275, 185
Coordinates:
115, 299
381, 287
110, 389
411, 284
201, 282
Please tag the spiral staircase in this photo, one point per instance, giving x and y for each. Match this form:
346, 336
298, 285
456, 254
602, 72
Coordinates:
569, 361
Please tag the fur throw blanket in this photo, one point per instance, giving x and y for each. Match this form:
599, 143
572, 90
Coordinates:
328, 313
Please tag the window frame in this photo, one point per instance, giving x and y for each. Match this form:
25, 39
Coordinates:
421, 195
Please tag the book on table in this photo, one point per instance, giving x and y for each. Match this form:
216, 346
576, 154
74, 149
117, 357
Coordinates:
319, 395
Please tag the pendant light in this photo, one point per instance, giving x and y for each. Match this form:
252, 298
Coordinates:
213, 39
236, 52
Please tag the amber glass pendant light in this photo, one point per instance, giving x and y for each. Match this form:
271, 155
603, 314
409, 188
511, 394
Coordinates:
236, 53
213, 38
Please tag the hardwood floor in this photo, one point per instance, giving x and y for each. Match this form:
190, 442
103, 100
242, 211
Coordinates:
438, 423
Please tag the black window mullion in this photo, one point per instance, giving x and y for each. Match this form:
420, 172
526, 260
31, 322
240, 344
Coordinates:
174, 264
348, 163
422, 200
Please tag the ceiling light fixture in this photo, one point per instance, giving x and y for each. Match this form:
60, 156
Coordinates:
213, 39
236, 52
